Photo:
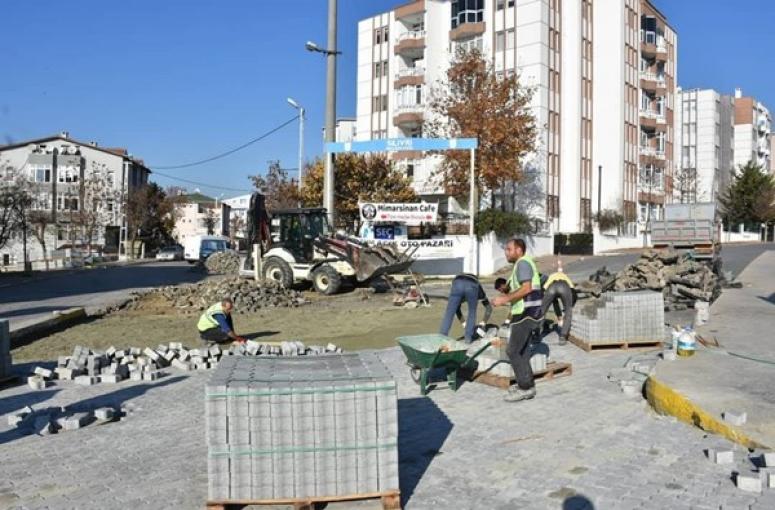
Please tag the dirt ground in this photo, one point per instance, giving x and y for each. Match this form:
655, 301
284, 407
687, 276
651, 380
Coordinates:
353, 321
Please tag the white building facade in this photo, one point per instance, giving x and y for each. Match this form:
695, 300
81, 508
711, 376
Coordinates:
753, 125
239, 211
64, 174
604, 74
199, 215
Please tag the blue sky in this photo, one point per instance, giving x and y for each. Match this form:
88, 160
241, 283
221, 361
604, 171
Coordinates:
180, 80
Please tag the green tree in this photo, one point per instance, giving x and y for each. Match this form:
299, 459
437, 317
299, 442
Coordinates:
150, 214
749, 198
359, 178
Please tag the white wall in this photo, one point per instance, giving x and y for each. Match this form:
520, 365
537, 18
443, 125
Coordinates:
605, 242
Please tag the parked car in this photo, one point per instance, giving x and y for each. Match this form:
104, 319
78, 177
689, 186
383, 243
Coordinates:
170, 253
200, 247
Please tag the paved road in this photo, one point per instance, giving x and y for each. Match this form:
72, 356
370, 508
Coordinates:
581, 444
735, 257
24, 301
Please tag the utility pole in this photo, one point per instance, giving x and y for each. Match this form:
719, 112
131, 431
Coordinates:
301, 146
328, 180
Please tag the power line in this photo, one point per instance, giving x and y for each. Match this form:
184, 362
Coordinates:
227, 153
203, 184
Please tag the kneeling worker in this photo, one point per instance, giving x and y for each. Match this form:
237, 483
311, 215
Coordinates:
525, 297
215, 324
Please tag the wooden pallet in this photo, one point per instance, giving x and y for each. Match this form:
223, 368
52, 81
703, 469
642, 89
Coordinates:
391, 500
554, 370
589, 347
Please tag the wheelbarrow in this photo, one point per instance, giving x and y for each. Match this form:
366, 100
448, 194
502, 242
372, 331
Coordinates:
426, 352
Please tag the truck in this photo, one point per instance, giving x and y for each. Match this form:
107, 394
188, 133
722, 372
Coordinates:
200, 247
297, 246
690, 228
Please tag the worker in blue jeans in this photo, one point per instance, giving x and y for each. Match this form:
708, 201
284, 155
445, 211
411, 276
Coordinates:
465, 288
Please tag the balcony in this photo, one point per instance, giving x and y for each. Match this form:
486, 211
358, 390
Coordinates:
408, 115
652, 119
652, 81
648, 152
653, 44
409, 76
467, 31
410, 44
411, 9
763, 126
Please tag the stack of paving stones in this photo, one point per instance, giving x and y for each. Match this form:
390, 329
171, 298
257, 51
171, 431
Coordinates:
495, 360
301, 427
621, 317
88, 367
5, 350
681, 280
248, 295
754, 474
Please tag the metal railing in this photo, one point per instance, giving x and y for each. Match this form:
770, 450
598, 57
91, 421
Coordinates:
410, 71
410, 34
659, 78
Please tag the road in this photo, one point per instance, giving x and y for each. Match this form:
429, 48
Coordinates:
24, 301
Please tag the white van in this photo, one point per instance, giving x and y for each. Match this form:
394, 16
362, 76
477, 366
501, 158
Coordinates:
200, 247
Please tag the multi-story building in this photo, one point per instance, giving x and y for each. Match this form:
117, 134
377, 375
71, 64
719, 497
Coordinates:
238, 216
66, 176
753, 125
772, 150
604, 75
704, 124
197, 214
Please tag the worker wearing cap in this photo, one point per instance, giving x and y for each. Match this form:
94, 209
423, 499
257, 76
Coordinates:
465, 287
215, 324
526, 298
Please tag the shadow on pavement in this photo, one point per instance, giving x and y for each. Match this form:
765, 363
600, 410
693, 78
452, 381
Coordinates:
422, 430
577, 502
770, 299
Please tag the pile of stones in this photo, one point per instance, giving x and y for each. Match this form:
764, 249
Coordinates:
223, 262
52, 420
248, 295
88, 367
681, 280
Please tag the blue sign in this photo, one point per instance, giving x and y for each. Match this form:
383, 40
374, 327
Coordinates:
403, 144
384, 233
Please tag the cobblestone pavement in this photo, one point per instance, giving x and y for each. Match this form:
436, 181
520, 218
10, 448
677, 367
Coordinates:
581, 444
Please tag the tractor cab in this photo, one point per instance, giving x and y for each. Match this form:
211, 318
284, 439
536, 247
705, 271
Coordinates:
296, 229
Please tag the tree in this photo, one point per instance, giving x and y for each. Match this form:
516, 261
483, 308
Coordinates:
15, 202
236, 228
281, 192
210, 221
98, 199
685, 183
359, 178
749, 198
150, 213
475, 102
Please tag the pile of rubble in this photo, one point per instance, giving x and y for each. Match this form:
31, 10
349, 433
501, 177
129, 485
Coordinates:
248, 295
223, 262
88, 367
681, 280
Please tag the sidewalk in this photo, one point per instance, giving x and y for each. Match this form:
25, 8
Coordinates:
699, 389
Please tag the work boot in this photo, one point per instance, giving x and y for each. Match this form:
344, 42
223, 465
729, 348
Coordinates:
517, 394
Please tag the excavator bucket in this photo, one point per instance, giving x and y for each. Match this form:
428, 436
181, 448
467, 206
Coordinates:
369, 262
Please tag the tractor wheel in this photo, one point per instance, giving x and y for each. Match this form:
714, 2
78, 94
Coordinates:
326, 280
278, 270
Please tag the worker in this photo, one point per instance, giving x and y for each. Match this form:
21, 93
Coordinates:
465, 287
215, 324
525, 297
502, 287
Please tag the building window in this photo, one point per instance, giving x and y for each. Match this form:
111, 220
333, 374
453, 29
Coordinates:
500, 40
378, 69
467, 11
475, 43
67, 203
67, 174
41, 173
410, 170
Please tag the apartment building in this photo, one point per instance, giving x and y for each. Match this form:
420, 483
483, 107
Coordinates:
239, 206
64, 173
753, 125
772, 150
198, 214
704, 124
604, 75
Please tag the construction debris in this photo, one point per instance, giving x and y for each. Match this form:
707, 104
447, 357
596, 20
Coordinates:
223, 262
681, 279
88, 367
248, 295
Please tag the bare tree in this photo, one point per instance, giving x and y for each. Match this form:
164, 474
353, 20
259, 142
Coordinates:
685, 183
210, 221
98, 199
236, 226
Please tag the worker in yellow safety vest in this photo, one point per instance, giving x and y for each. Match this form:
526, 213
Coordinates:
215, 324
525, 296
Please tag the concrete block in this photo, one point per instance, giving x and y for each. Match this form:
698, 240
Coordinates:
104, 413
631, 388
66, 374
85, 380
136, 376
735, 417
36, 382
111, 378
62, 361
75, 421
177, 346
723, 456
110, 352
19, 417
180, 365
183, 355
151, 353
768, 459
748, 483
152, 376
170, 355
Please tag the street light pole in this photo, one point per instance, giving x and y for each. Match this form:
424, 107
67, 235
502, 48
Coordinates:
328, 181
301, 138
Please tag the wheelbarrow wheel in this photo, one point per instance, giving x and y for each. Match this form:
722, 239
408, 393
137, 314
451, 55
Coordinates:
414, 373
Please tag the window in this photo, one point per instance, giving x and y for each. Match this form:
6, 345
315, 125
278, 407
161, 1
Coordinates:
67, 203
67, 174
384, 68
510, 37
384, 102
41, 173
378, 69
467, 11
474, 43
410, 170
500, 4
378, 36
500, 41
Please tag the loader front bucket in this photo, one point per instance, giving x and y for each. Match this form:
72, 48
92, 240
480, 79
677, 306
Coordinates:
369, 262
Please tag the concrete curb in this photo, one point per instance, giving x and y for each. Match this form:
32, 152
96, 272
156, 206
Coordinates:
668, 401
58, 320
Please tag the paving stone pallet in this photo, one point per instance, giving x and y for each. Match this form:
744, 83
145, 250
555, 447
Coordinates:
301, 428
553, 370
620, 320
391, 500
589, 347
